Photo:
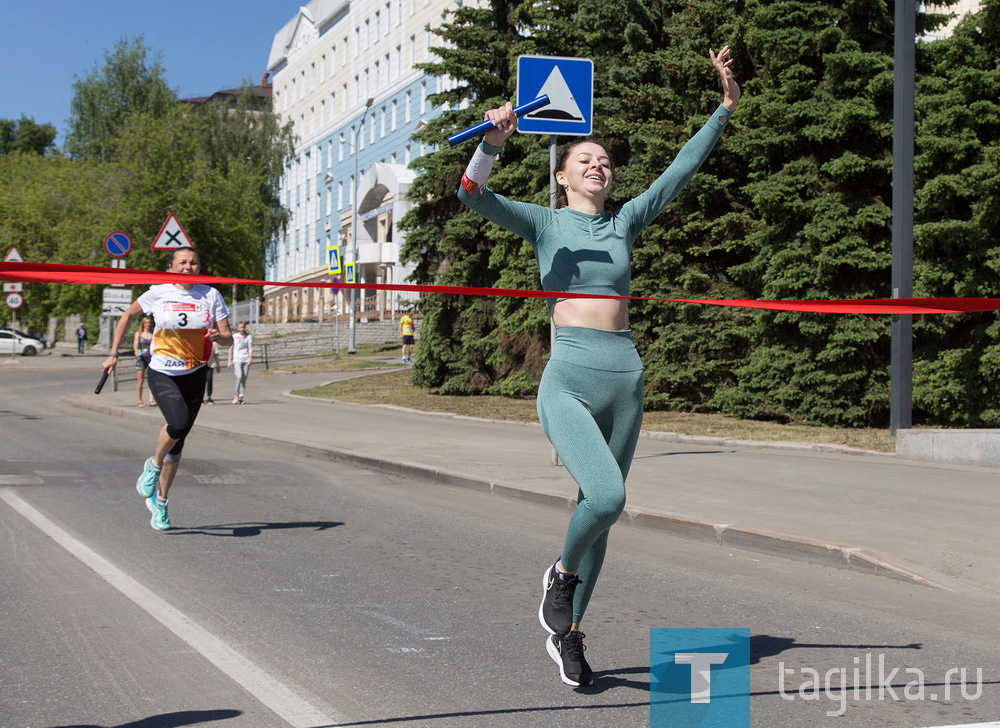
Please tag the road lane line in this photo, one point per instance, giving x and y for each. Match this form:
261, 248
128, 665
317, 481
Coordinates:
281, 699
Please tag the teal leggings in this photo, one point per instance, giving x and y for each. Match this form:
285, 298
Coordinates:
590, 405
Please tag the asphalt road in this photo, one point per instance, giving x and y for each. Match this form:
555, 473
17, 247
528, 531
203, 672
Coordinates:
298, 592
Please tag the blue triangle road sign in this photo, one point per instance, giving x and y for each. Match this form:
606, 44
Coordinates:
569, 84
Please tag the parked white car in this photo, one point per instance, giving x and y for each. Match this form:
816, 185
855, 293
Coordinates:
18, 342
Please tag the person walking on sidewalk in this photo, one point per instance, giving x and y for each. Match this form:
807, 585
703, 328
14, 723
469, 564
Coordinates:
81, 339
240, 359
212, 366
189, 318
591, 394
406, 330
141, 345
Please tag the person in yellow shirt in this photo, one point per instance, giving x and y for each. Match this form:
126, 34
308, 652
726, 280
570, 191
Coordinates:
406, 330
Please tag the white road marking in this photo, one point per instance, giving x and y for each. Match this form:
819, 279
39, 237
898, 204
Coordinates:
266, 688
994, 724
19, 479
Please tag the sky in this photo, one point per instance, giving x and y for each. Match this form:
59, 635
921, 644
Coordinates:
203, 45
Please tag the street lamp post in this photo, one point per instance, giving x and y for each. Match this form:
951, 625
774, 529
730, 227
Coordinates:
354, 230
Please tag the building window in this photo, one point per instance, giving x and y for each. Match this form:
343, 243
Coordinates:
340, 152
423, 98
322, 68
371, 129
406, 107
351, 193
343, 98
411, 54
340, 195
382, 123
406, 158
357, 41
394, 115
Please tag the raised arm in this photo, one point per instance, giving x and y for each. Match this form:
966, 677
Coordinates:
640, 211
520, 218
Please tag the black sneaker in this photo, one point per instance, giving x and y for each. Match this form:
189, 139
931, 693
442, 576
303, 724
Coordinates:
556, 610
567, 651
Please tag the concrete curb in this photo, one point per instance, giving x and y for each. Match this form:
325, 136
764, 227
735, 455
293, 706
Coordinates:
796, 548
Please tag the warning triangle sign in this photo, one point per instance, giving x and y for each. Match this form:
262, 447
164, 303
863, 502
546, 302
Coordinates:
562, 105
13, 256
172, 235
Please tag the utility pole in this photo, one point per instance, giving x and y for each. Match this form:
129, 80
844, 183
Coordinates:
354, 230
901, 361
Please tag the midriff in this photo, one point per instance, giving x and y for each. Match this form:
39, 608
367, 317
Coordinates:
591, 313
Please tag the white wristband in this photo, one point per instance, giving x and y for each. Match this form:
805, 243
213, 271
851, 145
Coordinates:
477, 172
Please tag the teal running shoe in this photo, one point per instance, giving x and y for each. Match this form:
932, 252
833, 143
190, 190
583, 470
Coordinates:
160, 520
148, 480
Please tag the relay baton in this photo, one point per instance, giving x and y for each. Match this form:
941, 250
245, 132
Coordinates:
100, 384
484, 126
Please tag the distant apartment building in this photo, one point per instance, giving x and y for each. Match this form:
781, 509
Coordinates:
325, 64
960, 10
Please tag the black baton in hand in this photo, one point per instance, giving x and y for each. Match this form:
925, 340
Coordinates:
100, 384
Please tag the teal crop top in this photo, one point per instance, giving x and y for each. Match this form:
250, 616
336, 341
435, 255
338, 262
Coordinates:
583, 253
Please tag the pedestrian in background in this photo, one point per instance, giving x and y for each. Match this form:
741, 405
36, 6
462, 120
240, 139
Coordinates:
142, 344
213, 366
240, 359
590, 397
81, 338
406, 331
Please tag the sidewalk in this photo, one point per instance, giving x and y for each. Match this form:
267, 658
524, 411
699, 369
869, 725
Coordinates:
924, 523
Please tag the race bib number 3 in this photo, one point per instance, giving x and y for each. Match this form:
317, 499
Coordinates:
185, 316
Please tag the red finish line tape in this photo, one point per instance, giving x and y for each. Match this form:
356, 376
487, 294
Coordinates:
87, 274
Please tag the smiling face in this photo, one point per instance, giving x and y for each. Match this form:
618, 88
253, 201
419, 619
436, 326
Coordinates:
587, 171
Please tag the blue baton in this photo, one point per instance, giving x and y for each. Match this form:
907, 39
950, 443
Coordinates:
484, 126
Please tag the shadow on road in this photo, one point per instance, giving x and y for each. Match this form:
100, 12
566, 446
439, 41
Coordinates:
251, 528
169, 720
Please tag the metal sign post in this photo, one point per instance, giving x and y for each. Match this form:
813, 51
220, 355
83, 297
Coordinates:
568, 83
901, 359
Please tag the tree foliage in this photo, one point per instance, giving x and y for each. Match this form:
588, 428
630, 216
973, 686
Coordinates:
24, 135
128, 83
957, 222
794, 202
139, 156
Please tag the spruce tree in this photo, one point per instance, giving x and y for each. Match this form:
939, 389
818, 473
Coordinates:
817, 135
957, 201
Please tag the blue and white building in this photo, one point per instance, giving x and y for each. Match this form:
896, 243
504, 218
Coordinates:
327, 62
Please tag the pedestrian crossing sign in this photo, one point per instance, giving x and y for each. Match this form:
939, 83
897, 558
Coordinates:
349, 272
569, 84
333, 259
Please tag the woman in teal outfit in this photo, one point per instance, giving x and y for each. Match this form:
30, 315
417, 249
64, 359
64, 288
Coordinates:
591, 393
